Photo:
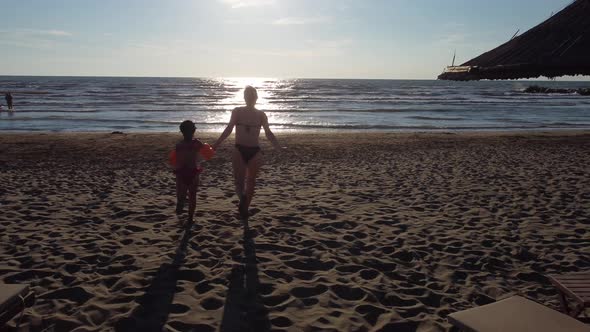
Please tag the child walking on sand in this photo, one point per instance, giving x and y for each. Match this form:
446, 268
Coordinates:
187, 169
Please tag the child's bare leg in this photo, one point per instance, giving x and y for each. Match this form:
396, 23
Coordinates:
180, 195
192, 198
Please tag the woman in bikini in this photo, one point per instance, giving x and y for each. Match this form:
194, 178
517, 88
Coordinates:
246, 157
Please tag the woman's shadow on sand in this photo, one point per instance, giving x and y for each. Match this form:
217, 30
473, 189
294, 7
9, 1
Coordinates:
243, 309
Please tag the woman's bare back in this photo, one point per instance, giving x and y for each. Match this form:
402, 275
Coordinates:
248, 122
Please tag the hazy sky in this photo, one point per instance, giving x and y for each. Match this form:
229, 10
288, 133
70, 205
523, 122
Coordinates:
263, 38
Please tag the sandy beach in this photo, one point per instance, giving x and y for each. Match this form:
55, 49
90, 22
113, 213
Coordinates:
350, 232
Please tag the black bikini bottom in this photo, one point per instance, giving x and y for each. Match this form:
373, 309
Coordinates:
247, 152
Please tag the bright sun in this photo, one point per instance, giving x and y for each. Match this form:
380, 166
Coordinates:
264, 86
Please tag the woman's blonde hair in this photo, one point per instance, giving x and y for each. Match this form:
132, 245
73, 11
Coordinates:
250, 95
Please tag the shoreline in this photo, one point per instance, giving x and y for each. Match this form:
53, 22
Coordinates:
327, 131
290, 132
351, 231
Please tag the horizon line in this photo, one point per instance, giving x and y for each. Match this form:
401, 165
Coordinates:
283, 78
223, 77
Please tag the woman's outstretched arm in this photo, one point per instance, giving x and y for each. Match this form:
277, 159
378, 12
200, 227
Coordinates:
227, 131
269, 135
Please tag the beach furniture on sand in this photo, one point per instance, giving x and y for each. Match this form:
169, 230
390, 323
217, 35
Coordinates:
573, 290
14, 299
515, 314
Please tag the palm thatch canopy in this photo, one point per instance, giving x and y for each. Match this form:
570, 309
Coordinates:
559, 46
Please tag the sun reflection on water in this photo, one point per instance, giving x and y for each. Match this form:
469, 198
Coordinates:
264, 86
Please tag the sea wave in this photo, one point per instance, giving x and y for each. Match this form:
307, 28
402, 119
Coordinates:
105, 103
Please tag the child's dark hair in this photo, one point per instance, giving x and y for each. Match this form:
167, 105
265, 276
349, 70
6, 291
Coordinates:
187, 128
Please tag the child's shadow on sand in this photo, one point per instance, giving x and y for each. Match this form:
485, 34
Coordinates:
244, 310
154, 307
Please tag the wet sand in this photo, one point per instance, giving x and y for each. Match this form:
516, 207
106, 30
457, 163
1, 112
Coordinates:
350, 232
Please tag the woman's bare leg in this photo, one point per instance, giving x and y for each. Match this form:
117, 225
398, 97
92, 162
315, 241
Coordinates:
251, 173
239, 173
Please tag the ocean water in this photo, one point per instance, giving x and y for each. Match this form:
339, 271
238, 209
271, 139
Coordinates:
160, 104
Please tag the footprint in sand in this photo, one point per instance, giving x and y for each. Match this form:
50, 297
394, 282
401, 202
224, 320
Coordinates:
178, 308
370, 313
276, 300
75, 294
211, 303
348, 293
369, 274
180, 326
203, 287
279, 275
305, 292
135, 229
310, 264
281, 321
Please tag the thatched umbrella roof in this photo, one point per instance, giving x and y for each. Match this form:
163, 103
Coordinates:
559, 46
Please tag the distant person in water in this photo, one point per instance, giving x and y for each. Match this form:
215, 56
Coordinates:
247, 157
187, 169
8, 98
